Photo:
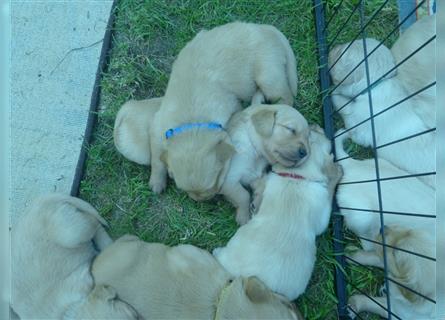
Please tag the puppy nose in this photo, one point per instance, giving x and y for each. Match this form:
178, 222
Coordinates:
302, 152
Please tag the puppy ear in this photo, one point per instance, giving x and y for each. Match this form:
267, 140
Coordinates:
224, 151
104, 292
255, 290
263, 122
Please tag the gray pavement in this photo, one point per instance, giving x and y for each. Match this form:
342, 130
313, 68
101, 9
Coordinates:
55, 53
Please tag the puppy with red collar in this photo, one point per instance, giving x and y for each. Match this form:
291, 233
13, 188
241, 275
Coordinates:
295, 208
216, 71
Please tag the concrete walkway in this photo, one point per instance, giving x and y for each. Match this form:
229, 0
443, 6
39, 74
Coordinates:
55, 51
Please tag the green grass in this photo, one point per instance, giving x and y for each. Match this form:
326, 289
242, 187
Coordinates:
147, 37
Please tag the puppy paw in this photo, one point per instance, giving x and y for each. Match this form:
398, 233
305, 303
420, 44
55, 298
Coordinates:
339, 172
351, 253
157, 185
242, 216
216, 251
351, 314
355, 303
334, 172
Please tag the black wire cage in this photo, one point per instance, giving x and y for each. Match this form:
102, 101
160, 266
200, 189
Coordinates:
355, 20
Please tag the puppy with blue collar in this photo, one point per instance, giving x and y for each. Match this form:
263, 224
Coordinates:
211, 76
260, 135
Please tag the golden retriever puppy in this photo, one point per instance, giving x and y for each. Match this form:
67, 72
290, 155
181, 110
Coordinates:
280, 238
394, 117
410, 232
183, 282
419, 70
54, 244
132, 129
260, 134
414, 272
212, 74
409, 195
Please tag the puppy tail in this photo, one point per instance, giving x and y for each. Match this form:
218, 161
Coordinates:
339, 149
291, 64
72, 222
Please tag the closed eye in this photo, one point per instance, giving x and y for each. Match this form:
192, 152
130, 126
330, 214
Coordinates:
292, 130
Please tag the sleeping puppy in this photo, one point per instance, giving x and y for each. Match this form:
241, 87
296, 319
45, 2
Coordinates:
420, 69
409, 195
260, 134
280, 238
413, 233
51, 260
132, 129
411, 271
415, 155
183, 282
213, 73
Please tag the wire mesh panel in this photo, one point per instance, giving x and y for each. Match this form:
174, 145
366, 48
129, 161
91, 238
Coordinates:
377, 77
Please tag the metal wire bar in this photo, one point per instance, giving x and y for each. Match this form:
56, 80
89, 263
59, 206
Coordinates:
390, 178
395, 281
390, 313
343, 26
341, 159
340, 281
406, 138
376, 162
397, 248
333, 15
387, 108
378, 46
358, 34
391, 212
371, 85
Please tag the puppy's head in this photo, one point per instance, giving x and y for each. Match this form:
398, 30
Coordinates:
319, 158
198, 162
342, 61
283, 133
249, 298
102, 303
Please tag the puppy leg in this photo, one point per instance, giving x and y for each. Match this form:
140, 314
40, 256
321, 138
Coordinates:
334, 172
367, 258
361, 303
258, 187
158, 176
240, 198
273, 83
339, 101
258, 98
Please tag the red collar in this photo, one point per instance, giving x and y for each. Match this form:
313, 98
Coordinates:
290, 175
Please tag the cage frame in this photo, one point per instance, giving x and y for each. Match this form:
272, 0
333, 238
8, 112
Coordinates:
321, 27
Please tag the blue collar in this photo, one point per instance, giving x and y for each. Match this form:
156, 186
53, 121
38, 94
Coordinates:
208, 125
